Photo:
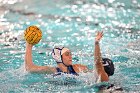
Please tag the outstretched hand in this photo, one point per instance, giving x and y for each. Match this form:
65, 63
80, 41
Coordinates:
99, 36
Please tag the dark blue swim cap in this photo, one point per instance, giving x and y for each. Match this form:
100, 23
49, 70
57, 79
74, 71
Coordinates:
108, 66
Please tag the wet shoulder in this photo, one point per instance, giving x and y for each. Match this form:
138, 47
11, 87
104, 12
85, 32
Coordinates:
79, 68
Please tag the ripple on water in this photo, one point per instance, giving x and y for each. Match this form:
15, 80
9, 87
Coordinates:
72, 24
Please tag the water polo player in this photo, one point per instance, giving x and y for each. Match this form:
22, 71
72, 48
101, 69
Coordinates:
62, 56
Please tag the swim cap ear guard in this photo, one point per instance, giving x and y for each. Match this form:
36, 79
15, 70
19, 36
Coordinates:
108, 66
56, 54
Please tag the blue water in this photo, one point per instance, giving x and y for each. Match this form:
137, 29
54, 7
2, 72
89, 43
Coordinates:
72, 23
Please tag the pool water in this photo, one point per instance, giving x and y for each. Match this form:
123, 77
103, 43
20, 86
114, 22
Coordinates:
73, 24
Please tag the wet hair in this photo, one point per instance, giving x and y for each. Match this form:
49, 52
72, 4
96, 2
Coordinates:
108, 66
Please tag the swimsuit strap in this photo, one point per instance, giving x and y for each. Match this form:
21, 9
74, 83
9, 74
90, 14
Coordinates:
58, 72
70, 69
58, 69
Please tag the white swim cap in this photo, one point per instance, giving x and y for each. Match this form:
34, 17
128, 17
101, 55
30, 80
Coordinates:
57, 53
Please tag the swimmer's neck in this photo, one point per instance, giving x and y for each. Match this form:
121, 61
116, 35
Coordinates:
62, 67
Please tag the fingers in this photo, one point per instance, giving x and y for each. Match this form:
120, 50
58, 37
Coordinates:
100, 33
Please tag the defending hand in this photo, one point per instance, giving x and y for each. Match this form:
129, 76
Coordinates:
99, 36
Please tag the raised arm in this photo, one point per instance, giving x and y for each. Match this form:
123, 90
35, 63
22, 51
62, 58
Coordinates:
98, 59
31, 67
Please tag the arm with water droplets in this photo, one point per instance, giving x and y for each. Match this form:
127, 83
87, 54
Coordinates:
30, 66
98, 59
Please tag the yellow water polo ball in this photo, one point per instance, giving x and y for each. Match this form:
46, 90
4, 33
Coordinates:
32, 35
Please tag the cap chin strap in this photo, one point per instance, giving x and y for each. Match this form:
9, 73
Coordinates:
57, 55
64, 65
62, 62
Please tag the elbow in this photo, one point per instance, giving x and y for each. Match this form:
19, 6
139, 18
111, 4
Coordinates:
104, 78
29, 67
